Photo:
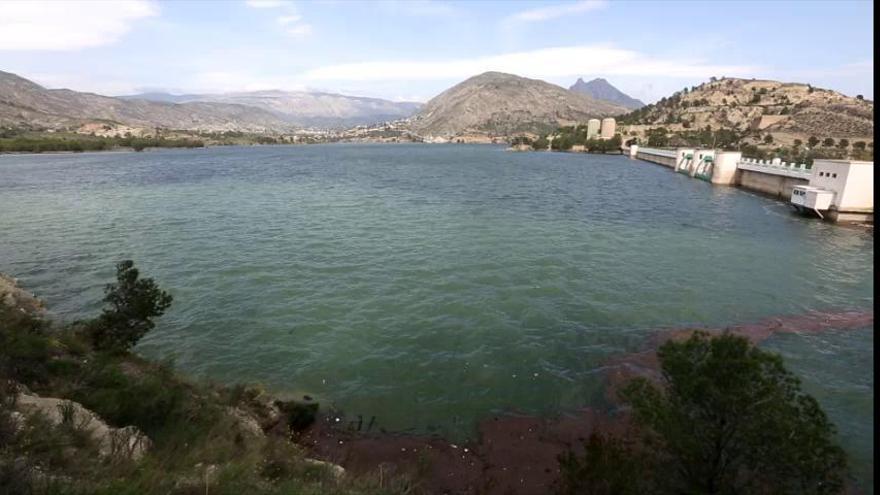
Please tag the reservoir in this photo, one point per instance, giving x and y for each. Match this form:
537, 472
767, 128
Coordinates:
433, 285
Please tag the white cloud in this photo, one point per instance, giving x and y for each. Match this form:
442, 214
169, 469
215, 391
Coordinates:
68, 25
289, 19
555, 11
542, 63
300, 30
266, 4
416, 7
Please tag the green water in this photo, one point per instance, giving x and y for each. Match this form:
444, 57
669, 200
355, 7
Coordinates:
431, 285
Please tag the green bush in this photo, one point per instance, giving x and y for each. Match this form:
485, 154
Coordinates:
731, 419
541, 143
134, 302
25, 348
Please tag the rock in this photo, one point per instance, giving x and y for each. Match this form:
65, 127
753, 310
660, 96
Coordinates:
265, 411
245, 422
337, 470
198, 481
15, 297
128, 442
17, 421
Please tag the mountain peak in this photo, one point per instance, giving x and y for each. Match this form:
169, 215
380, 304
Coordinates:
600, 89
497, 103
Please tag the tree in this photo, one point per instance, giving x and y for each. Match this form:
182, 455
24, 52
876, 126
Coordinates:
768, 139
798, 143
657, 137
860, 97
133, 303
730, 418
828, 142
541, 143
843, 144
813, 141
859, 145
563, 142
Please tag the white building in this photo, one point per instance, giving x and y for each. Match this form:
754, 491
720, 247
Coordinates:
848, 188
593, 126
609, 126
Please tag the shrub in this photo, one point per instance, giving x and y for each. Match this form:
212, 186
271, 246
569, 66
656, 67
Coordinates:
134, 302
25, 348
731, 419
541, 143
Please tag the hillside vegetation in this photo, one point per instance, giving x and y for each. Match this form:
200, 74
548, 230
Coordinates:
763, 118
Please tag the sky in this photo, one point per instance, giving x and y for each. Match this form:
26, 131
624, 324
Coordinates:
413, 50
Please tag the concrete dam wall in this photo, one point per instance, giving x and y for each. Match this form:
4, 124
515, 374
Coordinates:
849, 181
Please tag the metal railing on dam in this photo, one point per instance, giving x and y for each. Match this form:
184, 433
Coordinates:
657, 152
775, 167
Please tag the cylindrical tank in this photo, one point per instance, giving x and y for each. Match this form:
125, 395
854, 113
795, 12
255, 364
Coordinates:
609, 125
593, 128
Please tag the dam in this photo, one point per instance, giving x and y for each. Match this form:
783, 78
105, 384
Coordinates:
839, 190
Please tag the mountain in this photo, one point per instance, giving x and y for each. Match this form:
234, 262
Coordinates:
304, 108
601, 89
24, 103
503, 104
161, 97
749, 105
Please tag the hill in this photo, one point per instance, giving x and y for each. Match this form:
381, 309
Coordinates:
303, 108
25, 104
601, 89
787, 111
499, 104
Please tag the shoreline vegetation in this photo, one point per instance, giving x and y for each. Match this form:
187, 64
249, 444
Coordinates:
81, 413
83, 144
564, 139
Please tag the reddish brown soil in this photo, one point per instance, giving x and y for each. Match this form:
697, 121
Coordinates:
516, 454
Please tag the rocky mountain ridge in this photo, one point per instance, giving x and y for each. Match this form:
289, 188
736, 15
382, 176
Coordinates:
303, 108
601, 89
25, 104
498, 104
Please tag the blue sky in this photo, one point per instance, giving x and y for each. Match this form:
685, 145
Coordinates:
413, 50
